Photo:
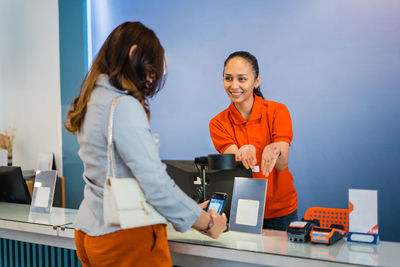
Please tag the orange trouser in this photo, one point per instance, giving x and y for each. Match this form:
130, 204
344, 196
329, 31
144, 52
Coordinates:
142, 246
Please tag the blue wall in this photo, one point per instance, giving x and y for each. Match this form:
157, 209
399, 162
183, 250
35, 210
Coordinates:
73, 64
335, 64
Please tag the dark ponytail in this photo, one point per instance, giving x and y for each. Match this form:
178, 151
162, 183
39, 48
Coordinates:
257, 91
254, 63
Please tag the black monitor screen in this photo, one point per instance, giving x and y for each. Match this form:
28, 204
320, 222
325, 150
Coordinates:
186, 176
12, 186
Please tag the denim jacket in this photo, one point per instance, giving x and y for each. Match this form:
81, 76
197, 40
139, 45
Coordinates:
136, 155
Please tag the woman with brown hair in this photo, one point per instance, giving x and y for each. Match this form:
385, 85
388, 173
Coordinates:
129, 64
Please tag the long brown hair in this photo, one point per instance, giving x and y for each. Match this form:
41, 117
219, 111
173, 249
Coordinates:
124, 71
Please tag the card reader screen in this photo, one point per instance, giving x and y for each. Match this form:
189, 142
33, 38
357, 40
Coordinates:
216, 204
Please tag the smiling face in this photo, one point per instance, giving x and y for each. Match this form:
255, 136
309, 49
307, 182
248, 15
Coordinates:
240, 80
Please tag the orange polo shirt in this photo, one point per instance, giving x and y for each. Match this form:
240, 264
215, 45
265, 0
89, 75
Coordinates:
269, 122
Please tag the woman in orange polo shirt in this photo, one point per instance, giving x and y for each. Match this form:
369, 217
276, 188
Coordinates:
259, 132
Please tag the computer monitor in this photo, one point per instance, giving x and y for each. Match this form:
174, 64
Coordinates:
13, 188
187, 177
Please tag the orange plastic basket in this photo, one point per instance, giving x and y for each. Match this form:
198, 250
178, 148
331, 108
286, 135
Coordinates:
328, 216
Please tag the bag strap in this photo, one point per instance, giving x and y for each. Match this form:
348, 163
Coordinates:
110, 143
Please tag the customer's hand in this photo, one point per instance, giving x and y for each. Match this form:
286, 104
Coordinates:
204, 204
218, 224
268, 159
247, 155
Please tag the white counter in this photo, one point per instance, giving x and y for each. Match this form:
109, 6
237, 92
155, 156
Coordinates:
194, 249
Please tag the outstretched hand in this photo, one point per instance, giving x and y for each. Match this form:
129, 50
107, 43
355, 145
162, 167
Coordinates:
247, 155
268, 160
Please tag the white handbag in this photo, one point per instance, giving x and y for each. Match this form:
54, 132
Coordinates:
124, 202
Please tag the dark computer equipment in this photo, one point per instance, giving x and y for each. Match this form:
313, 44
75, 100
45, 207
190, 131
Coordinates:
184, 173
223, 180
186, 176
13, 188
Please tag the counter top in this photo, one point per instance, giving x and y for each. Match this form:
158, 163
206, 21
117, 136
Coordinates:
276, 243
231, 249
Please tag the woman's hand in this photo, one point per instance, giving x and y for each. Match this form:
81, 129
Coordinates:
210, 223
269, 156
204, 204
217, 224
247, 155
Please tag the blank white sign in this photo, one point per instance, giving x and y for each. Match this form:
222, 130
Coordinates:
247, 212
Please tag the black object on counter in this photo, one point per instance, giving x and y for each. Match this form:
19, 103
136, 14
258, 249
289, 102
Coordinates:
221, 161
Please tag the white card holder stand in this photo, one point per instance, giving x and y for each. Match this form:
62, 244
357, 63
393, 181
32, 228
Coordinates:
248, 204
43, 191
363, 216
46, 161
